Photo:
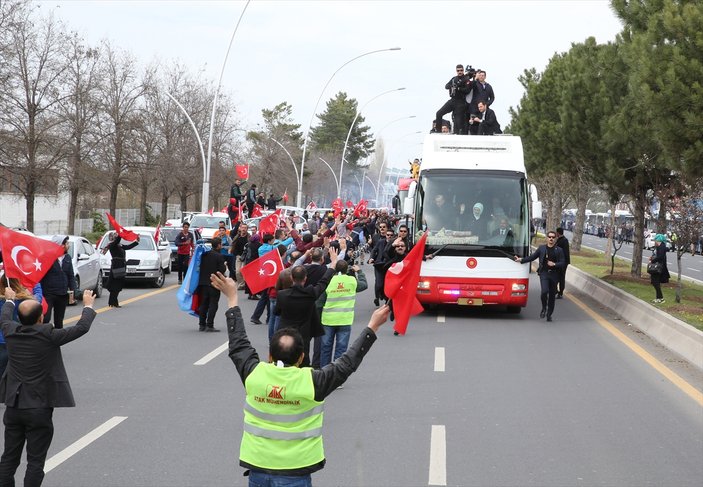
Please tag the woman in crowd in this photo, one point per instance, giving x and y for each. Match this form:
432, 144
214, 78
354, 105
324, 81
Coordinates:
21, 294
118, 267
662, 276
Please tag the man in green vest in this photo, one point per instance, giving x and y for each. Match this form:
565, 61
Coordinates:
338, 312
282, 438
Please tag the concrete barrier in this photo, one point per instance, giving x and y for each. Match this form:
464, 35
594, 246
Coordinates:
674, 334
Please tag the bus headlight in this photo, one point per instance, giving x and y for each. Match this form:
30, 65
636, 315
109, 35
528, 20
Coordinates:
423, 284
519, 287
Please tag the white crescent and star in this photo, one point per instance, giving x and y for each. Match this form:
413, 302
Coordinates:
15, 252
274, 267
397, 267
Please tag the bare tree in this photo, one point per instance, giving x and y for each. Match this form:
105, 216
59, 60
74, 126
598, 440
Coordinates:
120, 93
686, 225
79, 113
32, 149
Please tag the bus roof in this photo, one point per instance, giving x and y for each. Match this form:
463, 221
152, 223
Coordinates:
445, 151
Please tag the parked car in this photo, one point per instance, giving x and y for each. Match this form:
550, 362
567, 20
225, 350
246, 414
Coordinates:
208, 224
145, 262
649, 242
86, 265
170, 234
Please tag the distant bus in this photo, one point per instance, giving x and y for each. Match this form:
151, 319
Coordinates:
473, 263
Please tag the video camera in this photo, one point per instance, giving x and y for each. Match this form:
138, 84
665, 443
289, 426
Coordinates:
470, 71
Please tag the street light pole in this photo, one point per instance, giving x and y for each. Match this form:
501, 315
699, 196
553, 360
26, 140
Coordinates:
297, 176
346, 142
195, 129
314, 111
334, 175
206, 171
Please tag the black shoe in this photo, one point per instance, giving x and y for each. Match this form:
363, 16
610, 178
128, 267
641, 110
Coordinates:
549, 318
255, 297
542, 313
180, 281
202, 328
255, 321
395, 333
559, 296
212, 329
375, 302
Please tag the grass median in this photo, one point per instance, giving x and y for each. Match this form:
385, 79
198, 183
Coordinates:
690, 309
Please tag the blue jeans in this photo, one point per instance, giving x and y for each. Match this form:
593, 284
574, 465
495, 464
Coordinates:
273, 319
342, 334
261, 479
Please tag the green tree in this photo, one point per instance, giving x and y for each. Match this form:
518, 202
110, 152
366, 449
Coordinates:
331, 133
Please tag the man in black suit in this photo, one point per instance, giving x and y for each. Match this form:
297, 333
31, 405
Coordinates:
459, 86
504, 232
487, 122
480, 91
296, 305
211, 263
34, 384
551, 260
57, 282
563, 244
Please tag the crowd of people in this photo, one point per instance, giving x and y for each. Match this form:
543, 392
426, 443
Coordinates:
470, 98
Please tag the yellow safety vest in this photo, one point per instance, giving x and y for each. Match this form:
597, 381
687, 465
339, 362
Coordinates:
282, 420
339, 307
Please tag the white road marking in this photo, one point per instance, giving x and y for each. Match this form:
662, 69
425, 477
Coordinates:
692, 269
440, 318
212, 354
81, 443
439, 359
438, 455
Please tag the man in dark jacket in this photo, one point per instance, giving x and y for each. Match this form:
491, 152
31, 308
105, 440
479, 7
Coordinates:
57, 282
271, 202
480, 91
459, 86
378, 260
563, 244
34, 384
551, 259
486, 121
267, 458
212, 262
235, 191
251, 198
296, 305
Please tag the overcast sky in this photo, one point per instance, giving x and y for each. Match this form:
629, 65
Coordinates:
287, 50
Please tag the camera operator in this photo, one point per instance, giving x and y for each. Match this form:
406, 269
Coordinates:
459, 87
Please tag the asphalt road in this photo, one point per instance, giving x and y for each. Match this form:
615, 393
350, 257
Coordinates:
468, 397
691, 265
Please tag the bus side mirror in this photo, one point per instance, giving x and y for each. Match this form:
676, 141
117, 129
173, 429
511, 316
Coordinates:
408, 206
536, 209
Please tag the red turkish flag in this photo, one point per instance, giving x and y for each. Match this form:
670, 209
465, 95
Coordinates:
311, 206
157, 233
27, 258
242, 171
270, 223
125, 234
360, 208
401, 286
285, 197
350, 204
211, 211
262, 273
256, 211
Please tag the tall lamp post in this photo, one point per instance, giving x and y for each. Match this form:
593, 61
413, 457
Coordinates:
299, 198
334, 175
206, 171
195, 129
346, 142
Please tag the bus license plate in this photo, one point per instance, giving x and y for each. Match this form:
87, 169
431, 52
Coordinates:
131, 269
470, 301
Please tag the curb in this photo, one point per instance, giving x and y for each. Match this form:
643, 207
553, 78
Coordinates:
676, 335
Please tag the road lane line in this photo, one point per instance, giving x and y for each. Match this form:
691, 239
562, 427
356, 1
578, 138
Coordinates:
212, 354
440, 318
687, 388
439, 359
81, 443
127, 301
438, 455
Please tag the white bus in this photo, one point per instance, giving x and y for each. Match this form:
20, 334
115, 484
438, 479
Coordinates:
473, 198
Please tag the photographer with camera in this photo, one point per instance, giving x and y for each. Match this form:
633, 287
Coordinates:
459, 87
480, 92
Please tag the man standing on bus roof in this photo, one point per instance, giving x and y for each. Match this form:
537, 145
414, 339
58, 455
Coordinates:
551, 260
563, 244
459, 86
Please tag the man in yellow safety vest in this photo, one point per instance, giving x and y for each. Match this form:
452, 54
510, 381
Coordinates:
282, 438
338, 312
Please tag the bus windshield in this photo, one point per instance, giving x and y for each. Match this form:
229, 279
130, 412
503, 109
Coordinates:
479, 210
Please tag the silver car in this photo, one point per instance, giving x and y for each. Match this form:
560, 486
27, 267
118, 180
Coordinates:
86, 265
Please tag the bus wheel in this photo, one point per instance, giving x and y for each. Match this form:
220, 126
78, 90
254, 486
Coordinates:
514, 310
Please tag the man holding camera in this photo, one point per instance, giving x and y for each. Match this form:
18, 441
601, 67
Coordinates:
480, 92
459, 87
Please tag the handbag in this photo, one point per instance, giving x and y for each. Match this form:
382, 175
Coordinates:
655, 268
119, 272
